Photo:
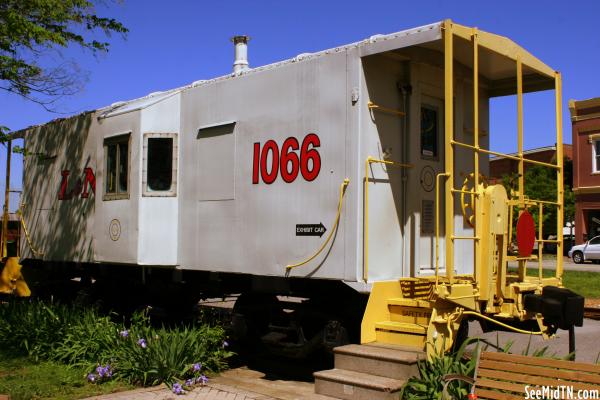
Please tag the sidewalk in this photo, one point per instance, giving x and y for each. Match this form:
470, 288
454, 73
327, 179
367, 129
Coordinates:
234, 384
209, 392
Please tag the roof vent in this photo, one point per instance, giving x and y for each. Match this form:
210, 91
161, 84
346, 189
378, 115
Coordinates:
240, 64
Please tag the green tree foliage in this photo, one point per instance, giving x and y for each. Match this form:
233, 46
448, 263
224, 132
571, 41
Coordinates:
32, 30
540, 184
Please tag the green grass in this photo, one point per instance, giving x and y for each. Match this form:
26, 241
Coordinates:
585, 283
24, 379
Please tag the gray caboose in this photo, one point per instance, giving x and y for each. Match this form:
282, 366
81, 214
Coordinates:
333, 177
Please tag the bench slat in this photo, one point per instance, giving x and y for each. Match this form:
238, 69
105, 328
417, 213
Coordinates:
543, 362
501, 385
540, 371
483, 394
533, 381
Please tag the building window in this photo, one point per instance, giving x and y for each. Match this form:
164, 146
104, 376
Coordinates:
116, 153
429, 132
596, 155
160, 164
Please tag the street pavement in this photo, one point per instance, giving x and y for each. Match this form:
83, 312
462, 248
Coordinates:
568, 265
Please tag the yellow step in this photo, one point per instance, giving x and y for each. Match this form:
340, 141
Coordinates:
402, 327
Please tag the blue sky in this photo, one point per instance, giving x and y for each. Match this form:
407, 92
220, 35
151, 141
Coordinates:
176, 44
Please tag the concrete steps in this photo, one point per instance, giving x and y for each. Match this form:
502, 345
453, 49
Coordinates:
373, 371
381, 361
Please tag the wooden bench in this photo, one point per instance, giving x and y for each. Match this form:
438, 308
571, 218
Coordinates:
502, 376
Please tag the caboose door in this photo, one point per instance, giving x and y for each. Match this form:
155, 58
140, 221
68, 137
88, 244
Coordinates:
382, 125
428, 159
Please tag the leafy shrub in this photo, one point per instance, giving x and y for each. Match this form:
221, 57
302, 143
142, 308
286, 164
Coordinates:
429, 384
33, 328
88, 341
138, 353
149, 356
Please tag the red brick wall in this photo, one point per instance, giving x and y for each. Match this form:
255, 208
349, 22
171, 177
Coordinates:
584, 204
504, 166
583, 174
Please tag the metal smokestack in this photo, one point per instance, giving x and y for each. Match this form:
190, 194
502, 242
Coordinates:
241, 54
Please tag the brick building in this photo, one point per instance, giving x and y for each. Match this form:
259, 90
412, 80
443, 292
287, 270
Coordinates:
585, 119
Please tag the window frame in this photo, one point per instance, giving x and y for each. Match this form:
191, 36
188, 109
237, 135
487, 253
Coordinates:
172, 192
116, 139
436, 109
597, 238
595, 157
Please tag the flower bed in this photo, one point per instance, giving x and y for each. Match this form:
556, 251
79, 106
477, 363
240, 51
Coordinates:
136, 352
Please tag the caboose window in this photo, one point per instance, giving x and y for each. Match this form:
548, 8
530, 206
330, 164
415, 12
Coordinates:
160, 158
116, 150
429, 132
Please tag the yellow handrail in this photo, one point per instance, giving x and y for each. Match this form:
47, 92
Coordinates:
437, 224
368, 162
509, 156
373, 106
33, 250
331, 232
495, 321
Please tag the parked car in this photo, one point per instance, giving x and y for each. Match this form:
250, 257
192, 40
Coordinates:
590, 250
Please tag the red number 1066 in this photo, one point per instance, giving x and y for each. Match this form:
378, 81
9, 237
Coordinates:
288, 163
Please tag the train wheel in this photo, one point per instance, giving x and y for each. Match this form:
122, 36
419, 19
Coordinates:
252, 314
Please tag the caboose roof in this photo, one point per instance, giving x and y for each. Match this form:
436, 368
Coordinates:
497, 59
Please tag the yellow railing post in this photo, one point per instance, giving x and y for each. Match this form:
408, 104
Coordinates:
522, 271
559, 177
6, 201
520, 130
437, 226
540, 239
366, 230
449, 136
477, 246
